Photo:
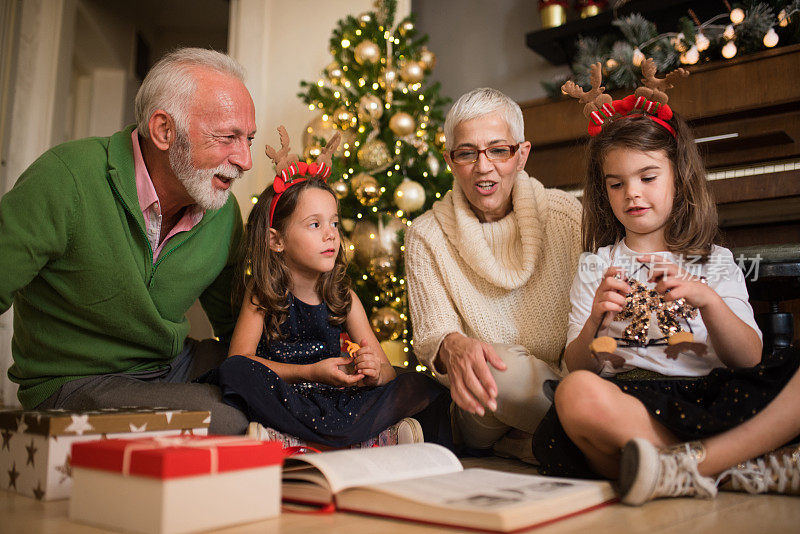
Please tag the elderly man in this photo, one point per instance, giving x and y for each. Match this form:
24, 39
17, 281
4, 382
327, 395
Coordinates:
489, 270
107, 242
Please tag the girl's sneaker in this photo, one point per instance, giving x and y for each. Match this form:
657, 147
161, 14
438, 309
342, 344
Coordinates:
647, 473
775, 472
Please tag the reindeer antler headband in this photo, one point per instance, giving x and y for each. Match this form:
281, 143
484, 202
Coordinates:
291, 171
649, 101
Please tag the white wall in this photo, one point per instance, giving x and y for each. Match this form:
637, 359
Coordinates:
281, 43
481, 43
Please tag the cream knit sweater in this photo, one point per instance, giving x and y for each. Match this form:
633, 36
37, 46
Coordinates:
501, 282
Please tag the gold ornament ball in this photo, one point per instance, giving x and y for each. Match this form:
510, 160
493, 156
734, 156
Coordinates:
433, 163
335, 72
370, 108
367, 190
312, 152
374, 155
340, 188
402, 124
388, 234
367, 52
348, 252
366, 242
405, 28
382, 269
388, 78
395, 353
412, 72
349, 137
427, 58
440, 139
364, 19
409, 195
318, 127
386, 323
344, 117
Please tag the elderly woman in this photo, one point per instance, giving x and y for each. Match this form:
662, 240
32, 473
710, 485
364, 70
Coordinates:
489, 269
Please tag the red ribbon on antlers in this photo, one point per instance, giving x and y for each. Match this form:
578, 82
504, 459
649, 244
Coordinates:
291, 171
296, 172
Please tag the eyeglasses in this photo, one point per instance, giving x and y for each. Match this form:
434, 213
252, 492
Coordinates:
465, 156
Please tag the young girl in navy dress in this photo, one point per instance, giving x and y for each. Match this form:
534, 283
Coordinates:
285, 368
683, 354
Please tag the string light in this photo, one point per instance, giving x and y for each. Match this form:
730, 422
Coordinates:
345, 43
254, 199
771, 38
783, 19
701, 42
729, 50
638, 57
737, 15
692, 56
729, 32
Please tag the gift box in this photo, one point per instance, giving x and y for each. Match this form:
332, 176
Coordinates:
174, 485
35, 446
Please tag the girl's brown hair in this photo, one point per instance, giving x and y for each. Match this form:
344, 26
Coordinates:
263, 273
692, 226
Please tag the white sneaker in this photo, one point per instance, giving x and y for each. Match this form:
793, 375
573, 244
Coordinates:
775, 472
407, 430
260, 432
647, 473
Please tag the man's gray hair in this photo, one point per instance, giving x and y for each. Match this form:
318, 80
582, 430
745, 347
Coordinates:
480, 102
170, 84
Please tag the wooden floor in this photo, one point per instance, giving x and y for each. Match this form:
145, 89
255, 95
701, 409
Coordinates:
729, 513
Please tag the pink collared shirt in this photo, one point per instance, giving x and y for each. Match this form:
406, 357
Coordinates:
151, 207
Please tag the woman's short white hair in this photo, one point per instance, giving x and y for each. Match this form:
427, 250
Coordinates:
483, 101
170, 84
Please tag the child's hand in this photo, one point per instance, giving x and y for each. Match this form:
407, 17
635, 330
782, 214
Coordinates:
675, 283
609, 297
328, 372
368, 364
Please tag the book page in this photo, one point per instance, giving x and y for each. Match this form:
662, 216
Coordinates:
357, 467
488, 490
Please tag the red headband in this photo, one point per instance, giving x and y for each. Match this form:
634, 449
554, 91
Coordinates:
295, 173
631, 105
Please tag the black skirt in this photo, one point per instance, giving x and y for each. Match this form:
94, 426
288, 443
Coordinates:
690, 409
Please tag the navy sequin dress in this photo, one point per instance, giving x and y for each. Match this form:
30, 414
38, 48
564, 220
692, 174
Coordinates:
315, 412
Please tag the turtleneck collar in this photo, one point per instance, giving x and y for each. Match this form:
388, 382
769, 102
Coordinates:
503, 252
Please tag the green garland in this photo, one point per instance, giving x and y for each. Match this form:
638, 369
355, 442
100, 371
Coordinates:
692, 42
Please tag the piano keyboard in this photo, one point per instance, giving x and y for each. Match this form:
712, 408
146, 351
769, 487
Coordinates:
735, 172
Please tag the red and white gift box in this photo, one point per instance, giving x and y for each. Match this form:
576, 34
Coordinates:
35, 445
173, 485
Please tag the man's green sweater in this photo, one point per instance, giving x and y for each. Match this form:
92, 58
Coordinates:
76, 263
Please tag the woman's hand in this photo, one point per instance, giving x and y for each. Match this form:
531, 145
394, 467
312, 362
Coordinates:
609, 297
464, 359
675, 283
327, 371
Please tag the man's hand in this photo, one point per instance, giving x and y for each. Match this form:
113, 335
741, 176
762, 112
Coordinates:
472, 386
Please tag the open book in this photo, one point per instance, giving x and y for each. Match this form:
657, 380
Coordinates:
426, 483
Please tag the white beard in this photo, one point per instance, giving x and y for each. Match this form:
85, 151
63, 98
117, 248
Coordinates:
198, 182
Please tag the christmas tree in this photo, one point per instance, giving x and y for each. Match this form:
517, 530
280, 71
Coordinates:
388, 167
